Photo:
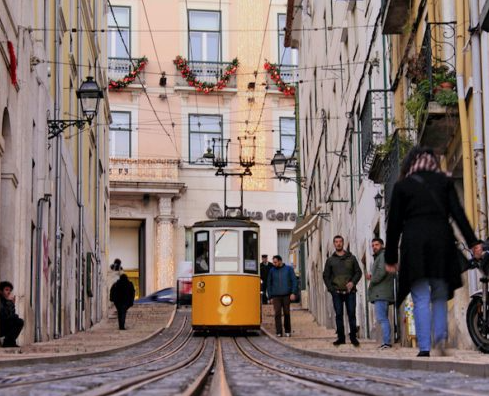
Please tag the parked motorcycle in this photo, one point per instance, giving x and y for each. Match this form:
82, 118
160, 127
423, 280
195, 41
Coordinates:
478, 310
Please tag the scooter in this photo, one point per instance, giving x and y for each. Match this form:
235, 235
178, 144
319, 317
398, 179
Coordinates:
478, 310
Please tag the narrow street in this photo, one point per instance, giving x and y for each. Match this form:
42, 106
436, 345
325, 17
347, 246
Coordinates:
175, 361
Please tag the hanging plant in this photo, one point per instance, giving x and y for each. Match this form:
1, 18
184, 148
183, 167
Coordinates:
203, 86
131, 76
274, 72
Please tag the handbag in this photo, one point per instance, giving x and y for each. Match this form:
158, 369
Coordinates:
462, 260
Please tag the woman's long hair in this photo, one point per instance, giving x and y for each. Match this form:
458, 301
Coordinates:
415, 154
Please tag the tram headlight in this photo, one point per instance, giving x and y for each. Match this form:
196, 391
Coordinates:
226, 300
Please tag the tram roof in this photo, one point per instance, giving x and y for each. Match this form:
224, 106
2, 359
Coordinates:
226, 222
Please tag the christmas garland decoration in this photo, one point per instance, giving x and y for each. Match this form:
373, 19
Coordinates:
131, 76
13, 63
203, 86
274, 72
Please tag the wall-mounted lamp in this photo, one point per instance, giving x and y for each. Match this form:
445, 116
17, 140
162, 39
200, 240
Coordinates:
379, 200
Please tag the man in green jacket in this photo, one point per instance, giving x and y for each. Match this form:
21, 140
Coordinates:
381, 291
341, 274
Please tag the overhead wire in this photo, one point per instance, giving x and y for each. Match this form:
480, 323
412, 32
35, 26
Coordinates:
161, 72
138, 76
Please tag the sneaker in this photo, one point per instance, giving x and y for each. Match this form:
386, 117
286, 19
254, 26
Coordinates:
287, 334
339, 341
423, 354
385, 346
355, 342
279, 334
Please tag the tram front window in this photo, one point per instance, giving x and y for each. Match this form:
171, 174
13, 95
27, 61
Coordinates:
201, 252
226, 251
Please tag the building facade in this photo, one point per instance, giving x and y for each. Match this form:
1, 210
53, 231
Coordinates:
47, 230
377, 89
164, 123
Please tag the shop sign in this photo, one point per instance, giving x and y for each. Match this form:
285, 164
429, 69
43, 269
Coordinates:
214, 211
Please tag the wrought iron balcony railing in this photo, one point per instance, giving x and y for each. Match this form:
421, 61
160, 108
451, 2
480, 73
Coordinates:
143, 170
438, 54
119, 67
288, 73
374, 124
400, 143
209, 72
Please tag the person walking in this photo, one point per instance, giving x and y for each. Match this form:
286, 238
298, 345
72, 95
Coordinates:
10, 323
122, 295
423, 200
265, 267
341, 274
381, 291
282, 288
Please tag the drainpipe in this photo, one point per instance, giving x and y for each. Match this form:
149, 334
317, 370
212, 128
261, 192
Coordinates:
485, 89
39, 244
79, 196
478, 121
464, 128
57, 215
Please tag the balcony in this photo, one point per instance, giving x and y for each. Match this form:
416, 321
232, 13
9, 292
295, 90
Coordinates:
396, 14
386, 166
118, 68
374, 124
433, 102
143, 170
209, 72
289, 75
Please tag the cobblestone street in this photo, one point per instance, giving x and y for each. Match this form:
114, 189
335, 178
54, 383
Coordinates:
172, 361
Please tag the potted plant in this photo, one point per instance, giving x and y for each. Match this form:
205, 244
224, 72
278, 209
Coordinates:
443, 78
416, 105
446, 97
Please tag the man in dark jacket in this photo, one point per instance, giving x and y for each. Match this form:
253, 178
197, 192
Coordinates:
122, 295
10, 323
265, 267
341, 274
381, 291
282, 288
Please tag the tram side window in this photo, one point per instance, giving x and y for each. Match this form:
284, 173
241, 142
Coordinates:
226, 251
250, 252
201, 252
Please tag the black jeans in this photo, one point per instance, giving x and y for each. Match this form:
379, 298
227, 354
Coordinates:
121, 315
350, 300
11, 329
279, 303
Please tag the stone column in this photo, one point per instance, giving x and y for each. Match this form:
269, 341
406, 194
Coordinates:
164, 261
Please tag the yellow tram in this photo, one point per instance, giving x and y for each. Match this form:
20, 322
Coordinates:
226, 278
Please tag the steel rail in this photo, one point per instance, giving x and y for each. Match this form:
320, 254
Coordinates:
313, 383
119, 364
353, 374
124, 386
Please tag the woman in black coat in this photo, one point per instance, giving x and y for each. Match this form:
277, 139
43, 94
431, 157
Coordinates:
422, 202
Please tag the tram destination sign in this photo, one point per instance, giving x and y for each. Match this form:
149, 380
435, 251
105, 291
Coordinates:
214, 211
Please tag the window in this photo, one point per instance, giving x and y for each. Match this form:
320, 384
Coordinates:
120, 134
250, 250
202, 128
204, 36
115, 44
226, 251
201, 252
283, 242
287, 135
286, 56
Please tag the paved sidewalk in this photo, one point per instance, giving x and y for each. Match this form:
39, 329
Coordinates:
143, 321
308, 335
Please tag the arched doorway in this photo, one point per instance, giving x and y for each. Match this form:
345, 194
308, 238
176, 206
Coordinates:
8, 186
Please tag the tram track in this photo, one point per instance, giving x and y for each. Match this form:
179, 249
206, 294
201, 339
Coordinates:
356, 380
122, 376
